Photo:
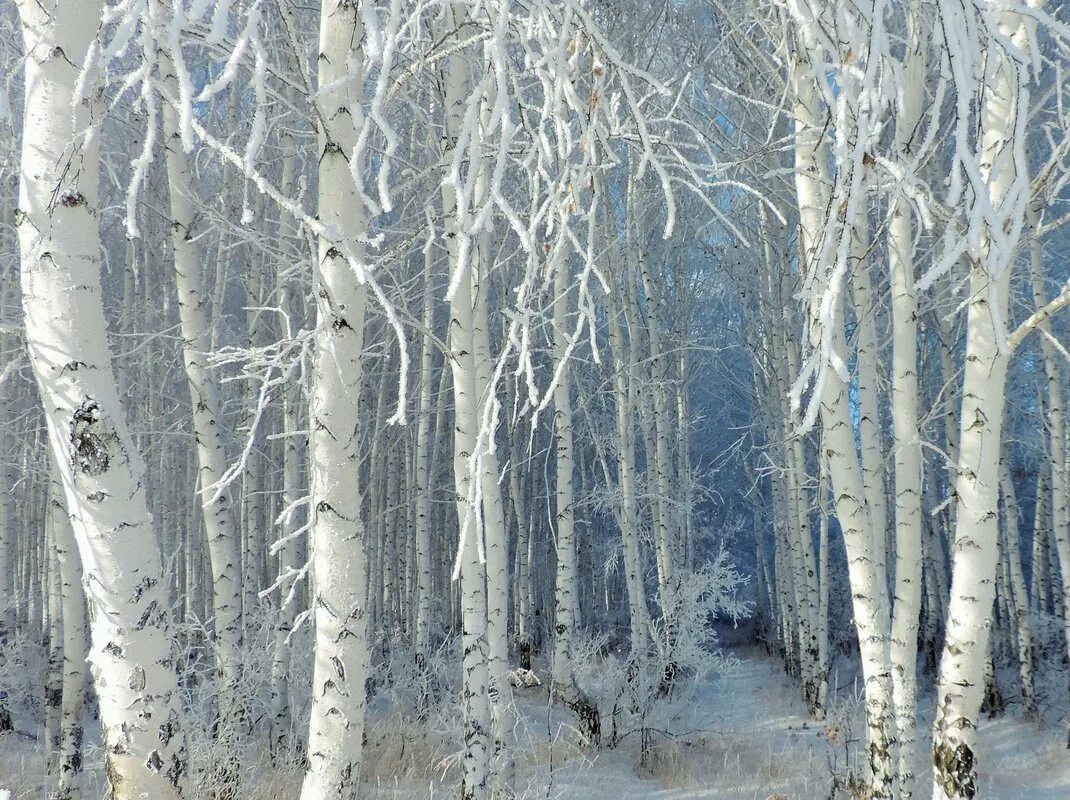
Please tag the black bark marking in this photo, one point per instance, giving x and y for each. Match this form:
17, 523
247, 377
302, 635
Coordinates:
91, 439
955, 770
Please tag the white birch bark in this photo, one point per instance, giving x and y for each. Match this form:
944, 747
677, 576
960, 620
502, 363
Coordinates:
476, 707
218, 512
53, 627
664, 529
805, 579
496, 538
823, 580
907, 437
423, 487
1038, 579
868, 585
7, 510
281, 695
523, 621
292, 456
870, 430
102, 476
980, 426
476, 693
626, 469
567, 580
336, 727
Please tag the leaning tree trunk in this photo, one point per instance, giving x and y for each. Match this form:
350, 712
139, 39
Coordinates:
336, 727
133, 655
868, 584
973, 575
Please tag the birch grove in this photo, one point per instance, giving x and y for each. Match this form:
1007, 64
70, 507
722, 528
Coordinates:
553, 398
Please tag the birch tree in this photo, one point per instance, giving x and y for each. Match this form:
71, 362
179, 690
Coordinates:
336, 728
1001, 185
101, 473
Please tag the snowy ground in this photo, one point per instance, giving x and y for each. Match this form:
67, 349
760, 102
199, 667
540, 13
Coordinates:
746, 737
750, 739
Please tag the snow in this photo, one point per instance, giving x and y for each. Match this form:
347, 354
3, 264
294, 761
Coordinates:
746, 737
749, 738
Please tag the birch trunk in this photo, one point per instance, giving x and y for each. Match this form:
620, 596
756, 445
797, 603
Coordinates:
981, 421
523, 621
870, 429
567, 584
1038, 592
336, 727
664, 529
1019, 599
217, 509
102, 475
423, 487
281, 695
53, 627
496, 540
629, 515
289, 555
907, 440
476, 707
72, 734
8, 538
868, 583
1056, 468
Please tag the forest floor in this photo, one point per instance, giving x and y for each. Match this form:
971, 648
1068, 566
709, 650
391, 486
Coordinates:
748, 737
745, 736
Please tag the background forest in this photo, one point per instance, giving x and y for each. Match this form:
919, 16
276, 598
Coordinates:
410, 398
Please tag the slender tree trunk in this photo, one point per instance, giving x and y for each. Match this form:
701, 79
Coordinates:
1019, 598
1038, 592
220, 525
8, 538
476, 705
282, 697
336, 728
870, 427
868, 583
906, 443
525, 641
567, 584
496, 537
423, 485
629, 514
72, 734
1056, 468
